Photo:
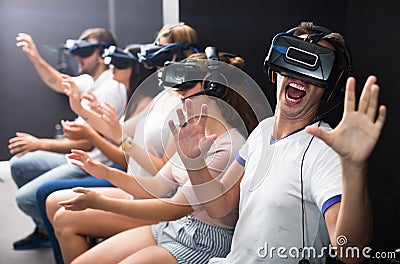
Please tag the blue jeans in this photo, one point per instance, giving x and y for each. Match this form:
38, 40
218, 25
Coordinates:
47, 188
34, 169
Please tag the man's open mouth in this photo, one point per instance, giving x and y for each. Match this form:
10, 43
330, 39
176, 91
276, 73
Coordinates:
295, 92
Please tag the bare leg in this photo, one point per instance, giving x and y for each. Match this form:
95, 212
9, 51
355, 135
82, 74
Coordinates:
119, 247
72, 227
150, 255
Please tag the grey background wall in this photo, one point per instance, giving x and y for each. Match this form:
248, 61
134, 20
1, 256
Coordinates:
237, 26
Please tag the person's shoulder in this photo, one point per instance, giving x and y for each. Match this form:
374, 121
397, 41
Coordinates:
106, 80
267, 122
107, 76
325, 126
232, 135
83, 78
261, 133
265, 126
321, 149
83, 81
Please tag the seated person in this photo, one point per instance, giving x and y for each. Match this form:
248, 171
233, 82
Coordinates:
38, 160
151, 149
172, 175
299, 183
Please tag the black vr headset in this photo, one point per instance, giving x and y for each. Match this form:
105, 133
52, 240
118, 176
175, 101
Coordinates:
119, 58
82, 48
153, 55
305, 59
181, 76
185, 75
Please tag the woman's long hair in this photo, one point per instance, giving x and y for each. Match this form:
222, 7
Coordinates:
232, 97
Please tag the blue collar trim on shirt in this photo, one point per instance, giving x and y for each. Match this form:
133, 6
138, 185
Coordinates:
273, 141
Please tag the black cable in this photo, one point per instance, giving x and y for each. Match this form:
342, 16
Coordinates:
303, 260
323, 114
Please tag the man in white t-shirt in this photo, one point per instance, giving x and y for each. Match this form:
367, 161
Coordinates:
39, 160
301, 187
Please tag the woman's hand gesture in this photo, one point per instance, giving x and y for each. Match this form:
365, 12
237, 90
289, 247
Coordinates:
191, 142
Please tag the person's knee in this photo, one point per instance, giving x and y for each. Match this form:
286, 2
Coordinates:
52, 204
62, 224
15, 161
16, 165
26, 200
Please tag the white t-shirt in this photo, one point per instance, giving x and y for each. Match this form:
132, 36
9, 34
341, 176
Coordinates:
152, 131
106, 89
270, 196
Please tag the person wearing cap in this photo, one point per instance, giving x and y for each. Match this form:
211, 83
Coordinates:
300, 185
39, 160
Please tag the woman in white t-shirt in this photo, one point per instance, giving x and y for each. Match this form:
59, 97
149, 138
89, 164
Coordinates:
186, 233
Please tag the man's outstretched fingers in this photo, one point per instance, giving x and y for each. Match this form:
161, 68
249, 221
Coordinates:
365, 96
373, 102
381, 117
350, 96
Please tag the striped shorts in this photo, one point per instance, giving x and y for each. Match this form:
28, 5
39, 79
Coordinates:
191, 241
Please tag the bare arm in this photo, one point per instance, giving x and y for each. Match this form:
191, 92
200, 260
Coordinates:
354, 139
140, 187
112, 151
218, 197
64, 145
24, 143
150, 162
50, 76
148, 209
84, 131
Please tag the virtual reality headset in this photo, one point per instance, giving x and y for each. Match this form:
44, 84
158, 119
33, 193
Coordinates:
297, 57
153, 55
180, 75
119, 58
82, 48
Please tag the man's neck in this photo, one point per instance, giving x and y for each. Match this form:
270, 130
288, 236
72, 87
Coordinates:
284, 126
98, 73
